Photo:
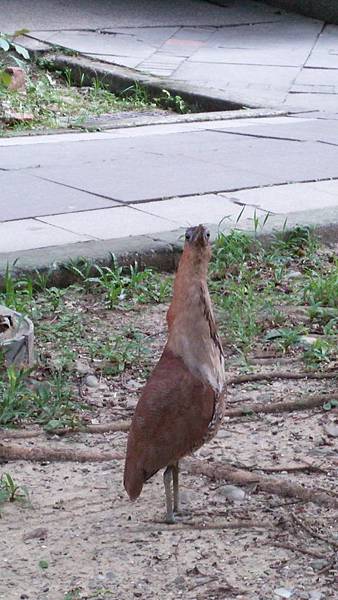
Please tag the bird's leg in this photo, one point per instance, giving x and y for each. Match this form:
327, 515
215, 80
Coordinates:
175, 469
167, 477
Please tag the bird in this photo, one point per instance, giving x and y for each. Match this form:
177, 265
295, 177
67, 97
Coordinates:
181, 406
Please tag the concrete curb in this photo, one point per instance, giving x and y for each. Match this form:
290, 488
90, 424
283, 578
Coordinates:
160, 251
118, 79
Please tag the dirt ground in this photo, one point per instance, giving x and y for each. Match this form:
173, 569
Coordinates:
95, 544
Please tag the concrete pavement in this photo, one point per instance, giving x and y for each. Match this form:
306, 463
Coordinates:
133, 190
245, 52
73, 191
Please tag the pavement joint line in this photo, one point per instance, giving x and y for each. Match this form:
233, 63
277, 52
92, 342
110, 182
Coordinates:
258, 136
73, 187
40, 220
314, 45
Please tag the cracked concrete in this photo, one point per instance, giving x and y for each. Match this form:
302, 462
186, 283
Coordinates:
75, 194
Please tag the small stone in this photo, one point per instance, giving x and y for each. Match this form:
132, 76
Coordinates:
283, 592
133, 384
232, 492
180, 582
11, 117
82, 367
293, 274
92, 381
315, 595
18, 78
131, 403
307, 340
331, 430
319, 564
40, 533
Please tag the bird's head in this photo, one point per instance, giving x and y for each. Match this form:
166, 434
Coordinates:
197, 243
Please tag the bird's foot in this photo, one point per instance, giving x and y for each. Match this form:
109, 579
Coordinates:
170, 519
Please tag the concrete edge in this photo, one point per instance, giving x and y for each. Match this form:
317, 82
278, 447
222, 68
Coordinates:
160, 251
118, 79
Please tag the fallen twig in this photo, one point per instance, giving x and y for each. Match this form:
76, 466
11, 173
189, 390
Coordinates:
313, 533
287, 468
281, 487
268, 376
280, 407
299, 549
98, 428
10, 453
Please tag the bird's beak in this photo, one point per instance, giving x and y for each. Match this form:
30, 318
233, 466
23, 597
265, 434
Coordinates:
200, 236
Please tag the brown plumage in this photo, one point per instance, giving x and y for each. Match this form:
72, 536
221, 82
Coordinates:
181, 405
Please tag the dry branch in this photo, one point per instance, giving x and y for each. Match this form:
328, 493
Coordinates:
10, 453
299, 549
311, 468
99, 428
313, 533
280, 407
238, 379
218, 471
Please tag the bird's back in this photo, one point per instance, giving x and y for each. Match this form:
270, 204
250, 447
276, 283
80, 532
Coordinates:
172, 419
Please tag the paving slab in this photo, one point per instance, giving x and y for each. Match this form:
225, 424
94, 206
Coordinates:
28, 234
287, 199
313, 130
110, 223
61, 14
208, 208
23, 195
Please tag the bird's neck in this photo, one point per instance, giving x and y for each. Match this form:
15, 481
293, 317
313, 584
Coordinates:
192, 329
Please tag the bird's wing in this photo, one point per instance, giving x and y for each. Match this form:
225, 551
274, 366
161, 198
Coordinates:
171, 420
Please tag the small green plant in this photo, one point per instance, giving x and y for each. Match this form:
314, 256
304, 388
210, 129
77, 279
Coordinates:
319, 353
120, 352
322, 289
285, 336
230, 252
43, 564
10, 491
9, 45
14, 396
330, 404
73, 594
175, 103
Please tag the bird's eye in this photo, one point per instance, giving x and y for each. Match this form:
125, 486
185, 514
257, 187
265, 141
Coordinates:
187, 236
208, 234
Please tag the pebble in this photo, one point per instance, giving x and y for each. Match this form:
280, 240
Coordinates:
315, 595
307, 340
82, 367
232, 492
92, 381
331, 430
283, 592
318, 564
293, 274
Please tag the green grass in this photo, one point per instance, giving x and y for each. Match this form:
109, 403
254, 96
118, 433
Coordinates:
93, 320
54, 100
